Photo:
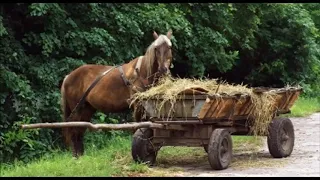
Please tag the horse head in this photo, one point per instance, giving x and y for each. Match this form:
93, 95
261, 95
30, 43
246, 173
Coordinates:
163, 53
159, 56
154, 64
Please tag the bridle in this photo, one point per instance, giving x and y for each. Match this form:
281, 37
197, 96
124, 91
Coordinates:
144, 82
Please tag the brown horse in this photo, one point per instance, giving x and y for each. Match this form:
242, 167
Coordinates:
112, 91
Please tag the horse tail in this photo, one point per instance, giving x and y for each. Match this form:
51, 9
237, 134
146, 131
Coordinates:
66, 113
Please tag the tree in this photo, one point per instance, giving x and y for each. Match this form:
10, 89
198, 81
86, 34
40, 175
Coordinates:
258, 44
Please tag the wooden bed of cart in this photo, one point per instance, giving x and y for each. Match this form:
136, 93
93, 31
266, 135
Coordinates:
201, 120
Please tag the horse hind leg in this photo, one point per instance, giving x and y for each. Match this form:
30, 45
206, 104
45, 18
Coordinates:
81, 144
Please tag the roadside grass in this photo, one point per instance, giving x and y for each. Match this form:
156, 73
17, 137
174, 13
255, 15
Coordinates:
304, 107
114, 159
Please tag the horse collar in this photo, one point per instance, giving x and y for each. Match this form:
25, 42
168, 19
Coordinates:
126, 81
138, 65
143, 81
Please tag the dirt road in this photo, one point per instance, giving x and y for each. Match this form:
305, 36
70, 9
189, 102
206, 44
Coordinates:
304, 160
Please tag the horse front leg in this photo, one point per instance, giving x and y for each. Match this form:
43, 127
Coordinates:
81, 142
75, 145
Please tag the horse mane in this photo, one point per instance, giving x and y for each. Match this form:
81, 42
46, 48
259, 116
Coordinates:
150, 53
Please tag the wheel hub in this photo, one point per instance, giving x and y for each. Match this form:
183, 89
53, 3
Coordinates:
285, 142
224, 155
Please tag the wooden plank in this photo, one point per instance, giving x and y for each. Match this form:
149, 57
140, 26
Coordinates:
205, 108
180, 142
193, 139
218, 107
176, 127
292, 100
182, 108
179, 122
93, 126
242, 105
214, 107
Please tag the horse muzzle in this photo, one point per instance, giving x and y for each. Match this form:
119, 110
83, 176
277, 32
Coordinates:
163, 70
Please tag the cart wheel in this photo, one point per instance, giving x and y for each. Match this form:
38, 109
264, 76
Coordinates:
205, 147
142, 149
220, 149
281, 137
138, 114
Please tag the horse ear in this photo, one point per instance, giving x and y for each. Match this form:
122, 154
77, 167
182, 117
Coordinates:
155, 35
169, 34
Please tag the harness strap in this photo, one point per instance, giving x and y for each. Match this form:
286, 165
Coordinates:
126, 81
138, 65
144, 82
83, 98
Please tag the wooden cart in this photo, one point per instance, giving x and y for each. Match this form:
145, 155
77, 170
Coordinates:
209, 121
202, 120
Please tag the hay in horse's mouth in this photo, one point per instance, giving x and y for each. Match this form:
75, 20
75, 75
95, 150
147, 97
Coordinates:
168, 89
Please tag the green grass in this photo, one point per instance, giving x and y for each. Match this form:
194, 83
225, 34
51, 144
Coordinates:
304, 107
115, 159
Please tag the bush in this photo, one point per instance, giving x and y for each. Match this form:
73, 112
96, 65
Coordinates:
258, 44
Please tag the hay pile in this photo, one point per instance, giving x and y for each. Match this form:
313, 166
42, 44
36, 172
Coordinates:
168, 89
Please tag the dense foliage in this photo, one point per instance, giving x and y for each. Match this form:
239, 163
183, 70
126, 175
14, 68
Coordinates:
258, 44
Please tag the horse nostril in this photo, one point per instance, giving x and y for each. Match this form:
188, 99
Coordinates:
165, 69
